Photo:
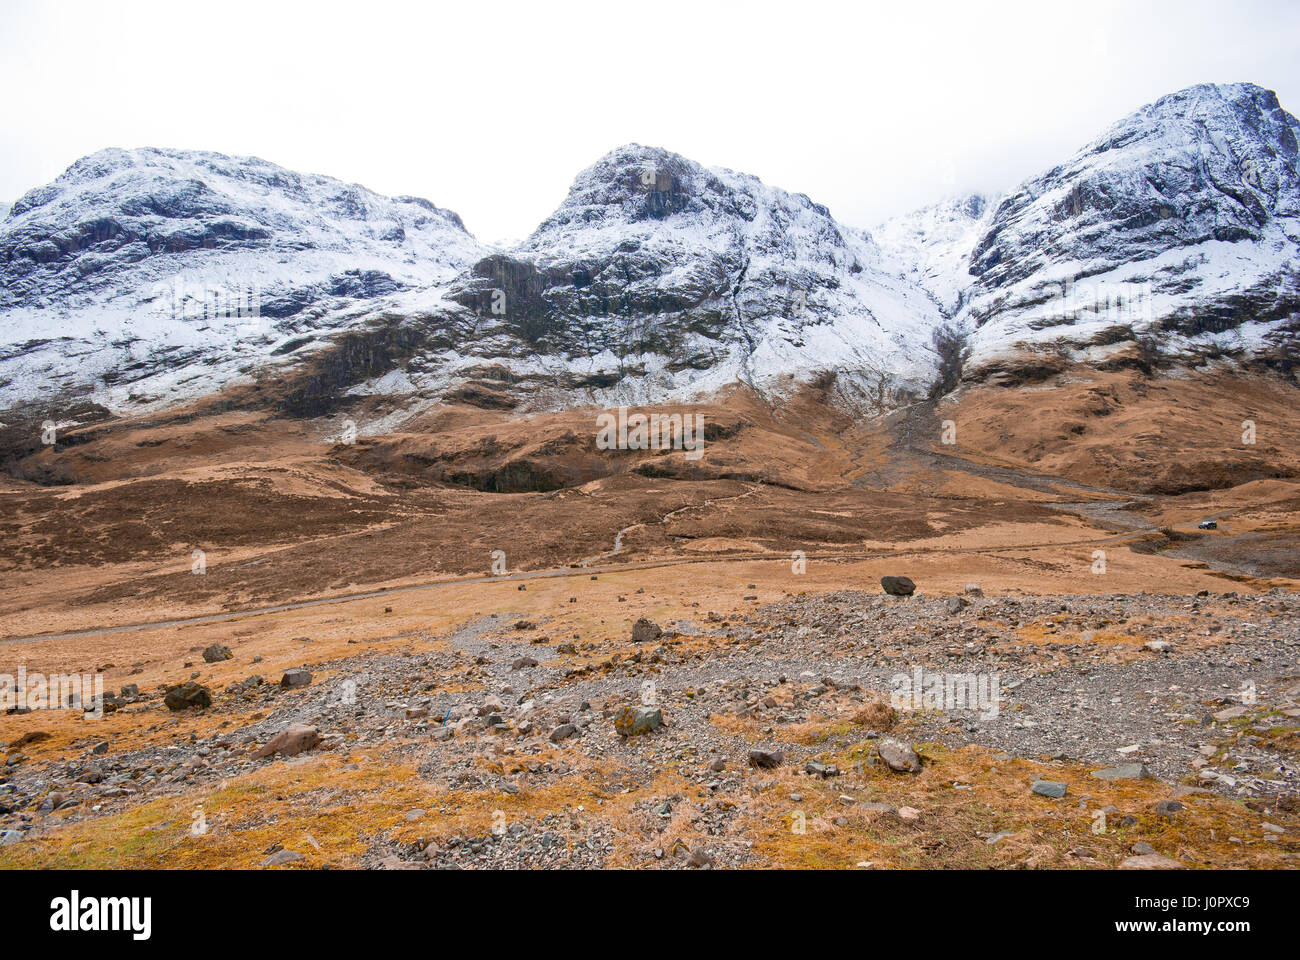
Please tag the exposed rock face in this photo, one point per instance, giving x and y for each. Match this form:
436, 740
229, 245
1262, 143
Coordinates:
1175, 236
664, 278
136, 269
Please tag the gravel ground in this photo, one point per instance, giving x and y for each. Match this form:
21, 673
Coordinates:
1216, 709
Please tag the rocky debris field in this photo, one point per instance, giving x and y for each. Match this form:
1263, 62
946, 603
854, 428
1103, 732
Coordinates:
700, 741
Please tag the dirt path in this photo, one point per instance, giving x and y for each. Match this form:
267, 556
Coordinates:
618, 539
572, 571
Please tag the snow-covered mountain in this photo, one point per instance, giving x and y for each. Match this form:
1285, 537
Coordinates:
1181, 223
130, 279
657, 277
158, 274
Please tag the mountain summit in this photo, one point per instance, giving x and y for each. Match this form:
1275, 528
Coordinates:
1181, 223
137, 271
668, 279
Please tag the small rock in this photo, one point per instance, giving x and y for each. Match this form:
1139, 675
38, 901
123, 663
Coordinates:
563, 732
872, 806
898, 756
297, 677
216, 653
766, 759
632, 720
188, 696
646, 631
898, 586
1125, 771
282, 857
1049, 788
1167, 808
1149, 861
822, 770
297, 738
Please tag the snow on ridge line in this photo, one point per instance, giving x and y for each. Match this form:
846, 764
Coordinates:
655, 275
144, 266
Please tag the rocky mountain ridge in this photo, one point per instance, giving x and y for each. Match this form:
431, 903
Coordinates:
142, 278
147, 275
1173, 237
683, 279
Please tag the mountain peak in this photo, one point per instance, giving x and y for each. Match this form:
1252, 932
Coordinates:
1188, 210
129, 249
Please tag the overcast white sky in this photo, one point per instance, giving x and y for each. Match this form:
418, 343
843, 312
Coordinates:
492, 108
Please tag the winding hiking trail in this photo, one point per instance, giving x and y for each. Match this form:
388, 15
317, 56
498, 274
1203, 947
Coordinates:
618, 538
570, 571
